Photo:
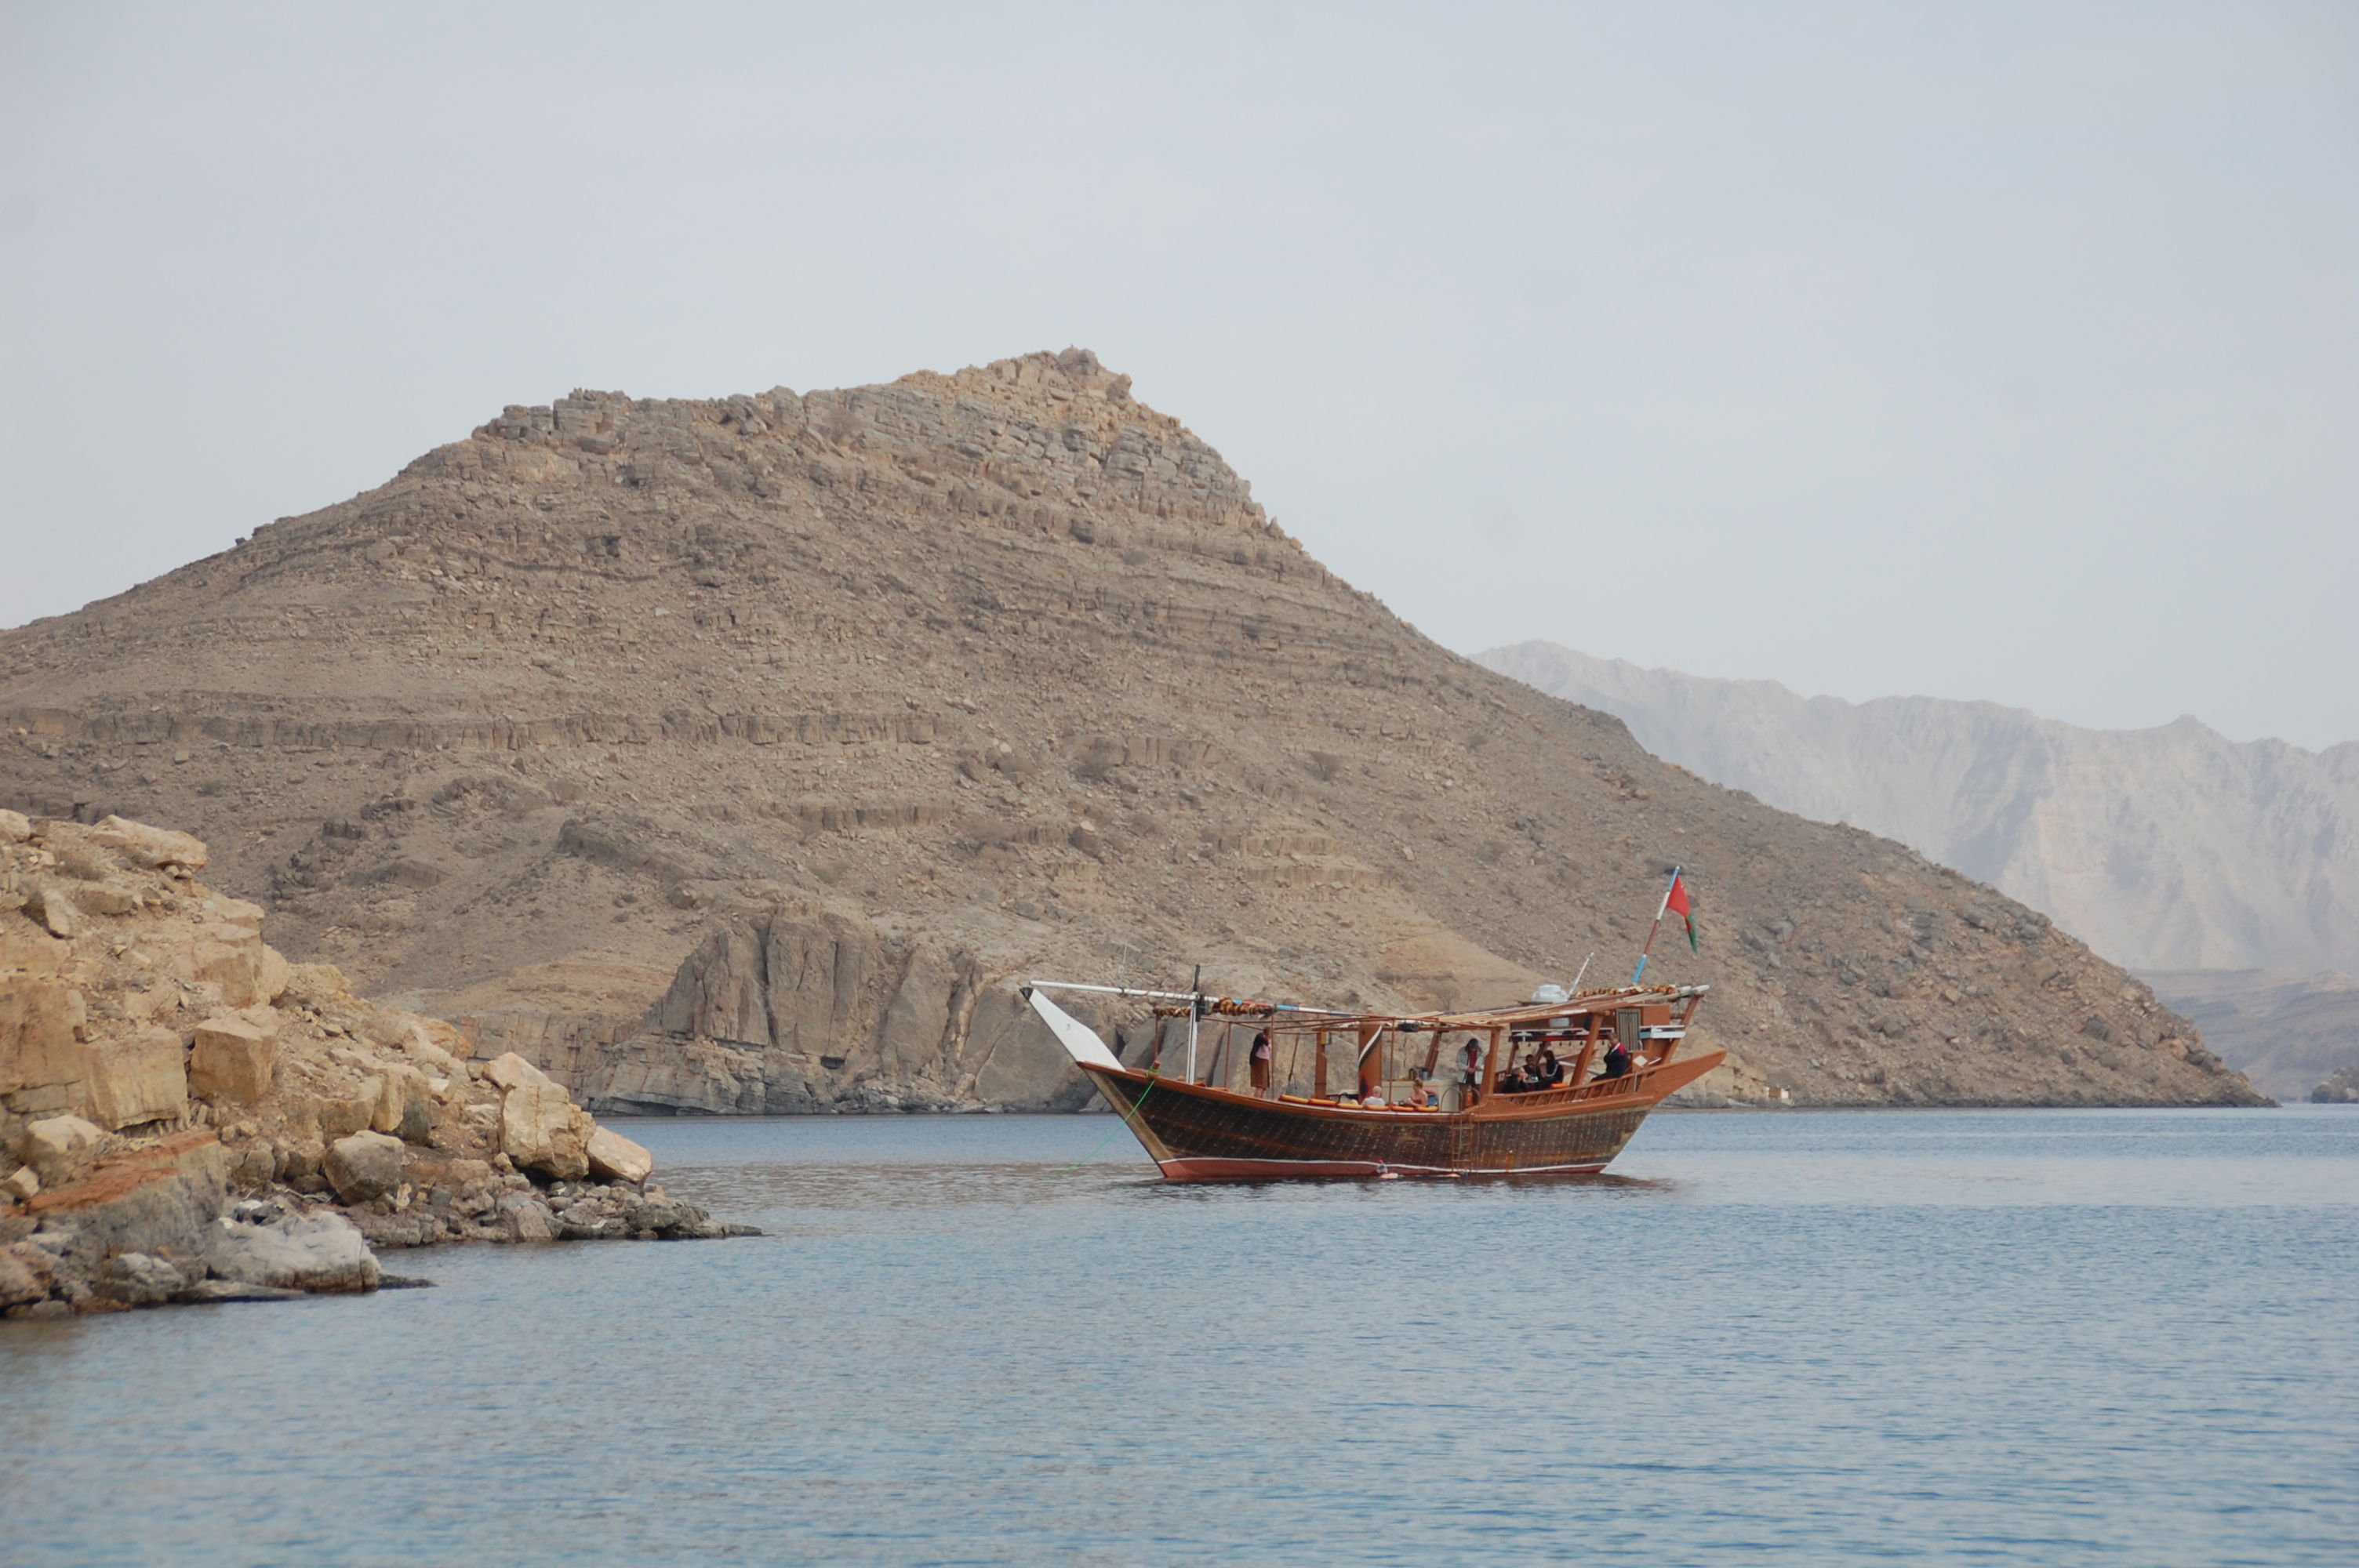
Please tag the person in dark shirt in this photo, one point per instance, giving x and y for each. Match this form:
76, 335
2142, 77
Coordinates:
1551, 1070
1617, 1059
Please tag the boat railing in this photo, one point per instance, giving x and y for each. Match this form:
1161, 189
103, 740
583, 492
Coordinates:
1596, 1089
1599, 1088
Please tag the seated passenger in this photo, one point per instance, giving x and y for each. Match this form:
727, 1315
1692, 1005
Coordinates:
1374, 1098
1419, 1096
1551, 1070
1617, 1060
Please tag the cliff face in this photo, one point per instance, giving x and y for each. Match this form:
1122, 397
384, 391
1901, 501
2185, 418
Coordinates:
743, 754
2168, 848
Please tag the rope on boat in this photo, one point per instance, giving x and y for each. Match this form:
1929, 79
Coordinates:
1110, 1137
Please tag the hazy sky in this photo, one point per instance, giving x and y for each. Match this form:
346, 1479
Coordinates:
1972, 350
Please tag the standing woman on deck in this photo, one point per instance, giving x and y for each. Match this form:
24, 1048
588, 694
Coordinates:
1260, 1059
1470, 1086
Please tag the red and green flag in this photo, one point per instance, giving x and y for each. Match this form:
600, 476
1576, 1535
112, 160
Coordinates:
1675, 901
1675, 897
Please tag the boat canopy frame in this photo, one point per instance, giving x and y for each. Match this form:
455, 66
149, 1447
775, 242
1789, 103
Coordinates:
1512, 1023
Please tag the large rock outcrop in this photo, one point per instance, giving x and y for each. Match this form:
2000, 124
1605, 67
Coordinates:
160, 1060
1010, 668
791, 1011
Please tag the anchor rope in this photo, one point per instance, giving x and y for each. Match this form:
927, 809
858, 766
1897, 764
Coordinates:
1109, 1137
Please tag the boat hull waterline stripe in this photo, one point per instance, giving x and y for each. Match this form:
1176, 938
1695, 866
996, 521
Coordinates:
1247, 1170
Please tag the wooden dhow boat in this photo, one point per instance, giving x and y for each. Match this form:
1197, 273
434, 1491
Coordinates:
1434, 1094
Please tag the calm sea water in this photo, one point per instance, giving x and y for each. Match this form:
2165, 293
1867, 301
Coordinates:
2035, 1337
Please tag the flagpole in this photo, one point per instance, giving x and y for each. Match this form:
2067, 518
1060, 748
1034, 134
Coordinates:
1649, 947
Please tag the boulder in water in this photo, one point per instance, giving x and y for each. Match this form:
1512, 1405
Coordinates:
320, 1252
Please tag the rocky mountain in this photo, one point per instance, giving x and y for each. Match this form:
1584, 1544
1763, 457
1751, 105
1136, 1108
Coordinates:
2227, 874
743, 755
2165, 849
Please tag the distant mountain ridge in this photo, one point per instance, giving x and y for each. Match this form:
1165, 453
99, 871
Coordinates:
2227, 874
2168, 848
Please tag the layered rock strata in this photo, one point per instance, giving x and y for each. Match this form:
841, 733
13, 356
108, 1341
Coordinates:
991, 674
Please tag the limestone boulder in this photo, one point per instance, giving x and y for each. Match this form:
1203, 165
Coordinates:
54, 908
141, 1079
403, 1104
234, 1060
28, 1275
157, 848
655, 1213
338, 1115
232, 958
524, 1217
362, 1166
277, 973
256, 1166
138, 1278
429, 1043
424, 1041
15, 827
105, 899
157, 1198
316, 985
614, 1158
542, 1130
509, 1070
324, 1252
300, 1165
41, 1015
237, 914
61, 1148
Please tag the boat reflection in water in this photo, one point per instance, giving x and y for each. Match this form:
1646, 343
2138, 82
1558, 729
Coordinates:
1435, 1094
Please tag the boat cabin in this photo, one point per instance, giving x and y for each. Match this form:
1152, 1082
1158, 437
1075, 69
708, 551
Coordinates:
1442, 1063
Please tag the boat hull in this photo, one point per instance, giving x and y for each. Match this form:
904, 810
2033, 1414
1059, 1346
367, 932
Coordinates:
1196, 1133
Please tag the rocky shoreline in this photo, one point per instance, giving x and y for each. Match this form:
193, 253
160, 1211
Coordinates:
190, 1119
